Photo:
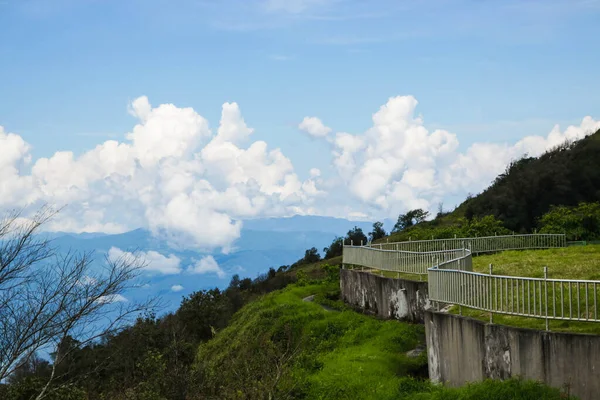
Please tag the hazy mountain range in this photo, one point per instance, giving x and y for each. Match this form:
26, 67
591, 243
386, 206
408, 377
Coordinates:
264, 243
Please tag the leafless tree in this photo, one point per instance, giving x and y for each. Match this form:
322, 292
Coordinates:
47, 296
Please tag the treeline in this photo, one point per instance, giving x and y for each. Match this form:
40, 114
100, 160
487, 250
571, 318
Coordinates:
580, 222
149, 360
565, 176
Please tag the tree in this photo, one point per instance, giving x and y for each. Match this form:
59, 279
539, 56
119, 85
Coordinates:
335, 248
47, 297
355, 236
378, 232
311, 256
409, 219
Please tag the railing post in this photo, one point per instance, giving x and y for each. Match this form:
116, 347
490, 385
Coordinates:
491, 296
546, 293
361, 242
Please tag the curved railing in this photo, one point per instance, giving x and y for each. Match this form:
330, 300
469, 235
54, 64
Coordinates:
416, 257
483, 244
408, 262
559, 299
452, 281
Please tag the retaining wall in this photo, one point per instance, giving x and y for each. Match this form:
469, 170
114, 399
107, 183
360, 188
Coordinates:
463, 350
400, 299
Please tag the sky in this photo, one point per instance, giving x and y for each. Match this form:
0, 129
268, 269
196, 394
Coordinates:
175, 115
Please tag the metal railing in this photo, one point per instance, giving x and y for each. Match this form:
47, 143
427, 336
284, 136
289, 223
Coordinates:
416, 257
398, 261
452, 281
480, 244
558, 299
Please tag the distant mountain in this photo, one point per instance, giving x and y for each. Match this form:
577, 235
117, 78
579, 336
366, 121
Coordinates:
306, 223
264, 243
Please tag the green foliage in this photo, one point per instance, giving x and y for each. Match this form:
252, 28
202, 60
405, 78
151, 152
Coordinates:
567, 175
581, 222
460, 227
302, 278
28, 388
310, 256
335, 249
378, 232
409, 219
332, 272
512, 389
284, 347
355, 236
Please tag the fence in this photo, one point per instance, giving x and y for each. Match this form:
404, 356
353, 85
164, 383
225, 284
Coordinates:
452, 281
397, 261
479, 245
560, 299
416, 257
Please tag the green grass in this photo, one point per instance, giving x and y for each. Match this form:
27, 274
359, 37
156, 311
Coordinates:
282, 347
336, 355
512, 389
578, 262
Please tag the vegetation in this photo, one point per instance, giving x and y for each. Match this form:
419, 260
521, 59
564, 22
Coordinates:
378, 232
460, 227
261, 338
577, 262
565, 176
283, 347
581, 222
409, 219
49, 301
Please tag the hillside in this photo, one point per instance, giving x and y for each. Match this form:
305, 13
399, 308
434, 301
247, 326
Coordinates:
558, 192
566, 175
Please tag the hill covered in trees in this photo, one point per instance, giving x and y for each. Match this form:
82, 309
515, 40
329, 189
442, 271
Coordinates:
558, 192
564, 176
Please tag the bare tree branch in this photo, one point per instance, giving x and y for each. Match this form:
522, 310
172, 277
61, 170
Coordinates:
47, 297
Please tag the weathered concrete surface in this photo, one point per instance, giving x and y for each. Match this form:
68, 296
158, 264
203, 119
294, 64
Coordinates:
463, 350
386, 297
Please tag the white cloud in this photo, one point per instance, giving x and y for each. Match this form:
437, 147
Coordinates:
314, 126
315, 172
207, 265
176, 288
398, 164
172, 175
113, 298
155, 262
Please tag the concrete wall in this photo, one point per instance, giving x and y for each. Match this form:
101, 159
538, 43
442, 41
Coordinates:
462, 350
386, 297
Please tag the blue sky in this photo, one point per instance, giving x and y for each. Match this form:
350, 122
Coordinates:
490, 72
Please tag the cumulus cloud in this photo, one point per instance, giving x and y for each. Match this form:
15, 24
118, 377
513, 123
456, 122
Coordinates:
113, 298
398, 164
172, 175
207, 265
155, 262
176, 288
313, 126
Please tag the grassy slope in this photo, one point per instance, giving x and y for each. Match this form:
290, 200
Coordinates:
290, 348
577, 262
340, 355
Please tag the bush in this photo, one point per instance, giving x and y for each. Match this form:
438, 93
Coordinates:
581, 222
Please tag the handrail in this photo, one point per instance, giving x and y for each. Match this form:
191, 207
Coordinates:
482, 244
416, 261
452, 281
